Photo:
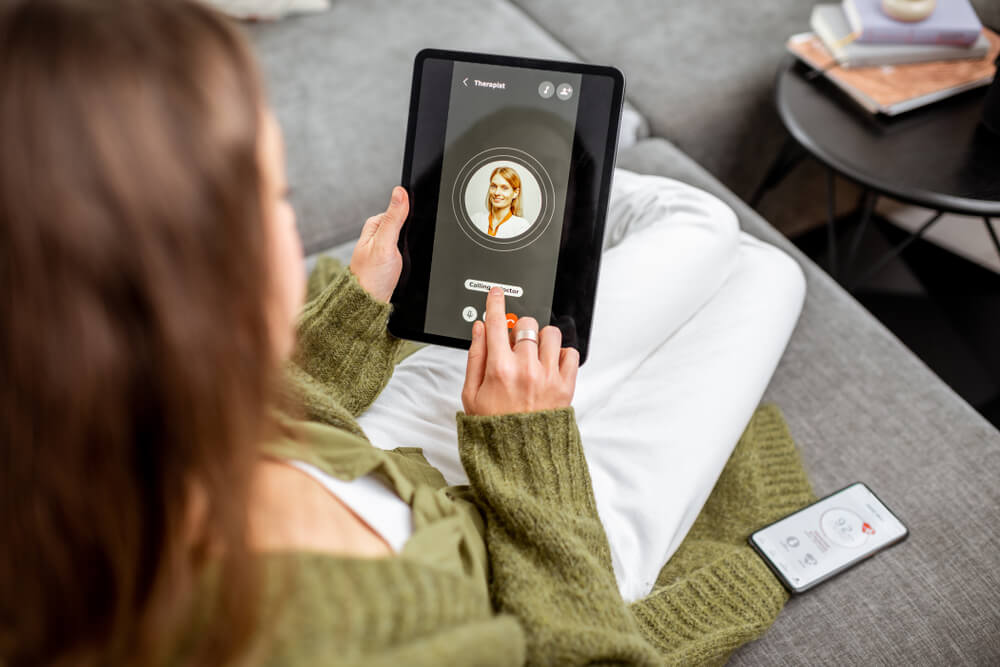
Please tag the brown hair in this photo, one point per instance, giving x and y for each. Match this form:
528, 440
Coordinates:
134, 339
508, 174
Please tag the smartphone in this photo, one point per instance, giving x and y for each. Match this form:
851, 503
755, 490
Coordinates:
824, 539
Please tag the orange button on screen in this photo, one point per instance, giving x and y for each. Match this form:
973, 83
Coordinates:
511, 320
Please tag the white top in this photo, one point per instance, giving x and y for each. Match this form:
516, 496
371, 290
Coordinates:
515, 226
370, 499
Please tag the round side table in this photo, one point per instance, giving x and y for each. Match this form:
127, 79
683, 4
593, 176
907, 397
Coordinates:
939, 156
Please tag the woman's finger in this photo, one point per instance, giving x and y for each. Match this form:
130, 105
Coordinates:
475, 368
569, 364
549, 342
497, 336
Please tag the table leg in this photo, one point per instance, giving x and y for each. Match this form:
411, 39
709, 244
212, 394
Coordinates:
867, 205
993, 234
790, 155
895, 252
831, 221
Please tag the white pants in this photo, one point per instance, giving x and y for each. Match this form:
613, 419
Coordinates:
691, 319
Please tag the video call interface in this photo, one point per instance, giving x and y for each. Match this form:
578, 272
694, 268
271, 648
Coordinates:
502, 199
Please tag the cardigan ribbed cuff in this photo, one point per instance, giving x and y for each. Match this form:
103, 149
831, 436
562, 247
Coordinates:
343, 341
714, 610
345, 304
538, 452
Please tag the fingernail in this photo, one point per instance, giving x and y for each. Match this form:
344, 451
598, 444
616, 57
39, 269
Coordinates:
495, 291
397, 195
477, 329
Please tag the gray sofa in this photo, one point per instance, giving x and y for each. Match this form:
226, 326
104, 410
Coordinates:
859, 404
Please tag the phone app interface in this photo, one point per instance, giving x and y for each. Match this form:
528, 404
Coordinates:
502, 199
829, 535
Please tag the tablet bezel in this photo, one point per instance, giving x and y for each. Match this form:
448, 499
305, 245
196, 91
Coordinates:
575, 288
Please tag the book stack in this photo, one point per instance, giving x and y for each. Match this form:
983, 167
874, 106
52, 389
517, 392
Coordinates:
859, 34
891, 66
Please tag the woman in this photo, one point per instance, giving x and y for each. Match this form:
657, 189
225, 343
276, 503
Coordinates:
503, 215
157, 508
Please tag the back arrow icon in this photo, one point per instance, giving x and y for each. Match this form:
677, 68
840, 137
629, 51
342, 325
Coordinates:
465, 82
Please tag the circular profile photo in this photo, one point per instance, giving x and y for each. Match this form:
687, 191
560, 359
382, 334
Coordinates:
503, 199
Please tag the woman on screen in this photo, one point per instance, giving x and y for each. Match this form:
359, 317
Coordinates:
502, 217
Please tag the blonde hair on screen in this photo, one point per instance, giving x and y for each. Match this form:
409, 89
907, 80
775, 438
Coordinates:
508, 174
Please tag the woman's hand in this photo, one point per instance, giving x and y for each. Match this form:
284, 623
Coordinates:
376, 261
502, 378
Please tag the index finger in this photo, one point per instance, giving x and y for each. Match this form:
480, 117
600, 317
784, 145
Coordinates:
497, 337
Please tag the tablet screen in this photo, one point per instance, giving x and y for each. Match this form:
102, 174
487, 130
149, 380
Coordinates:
507, 168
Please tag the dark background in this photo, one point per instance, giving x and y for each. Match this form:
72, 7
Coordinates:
945, 308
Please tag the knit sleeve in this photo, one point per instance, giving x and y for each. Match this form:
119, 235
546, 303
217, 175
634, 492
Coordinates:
549, 557
345, 354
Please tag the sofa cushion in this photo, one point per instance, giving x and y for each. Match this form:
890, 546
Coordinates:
863, 408
706, 84
340, 84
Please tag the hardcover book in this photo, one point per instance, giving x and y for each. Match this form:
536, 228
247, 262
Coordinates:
893, 90
952, 22
830, 25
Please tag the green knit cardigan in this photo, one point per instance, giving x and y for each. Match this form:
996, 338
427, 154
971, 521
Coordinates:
514, 568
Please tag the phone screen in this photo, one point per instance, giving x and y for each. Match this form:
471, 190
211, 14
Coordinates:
828, 537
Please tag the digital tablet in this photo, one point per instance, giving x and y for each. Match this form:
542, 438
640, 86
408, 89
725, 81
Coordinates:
508, 164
